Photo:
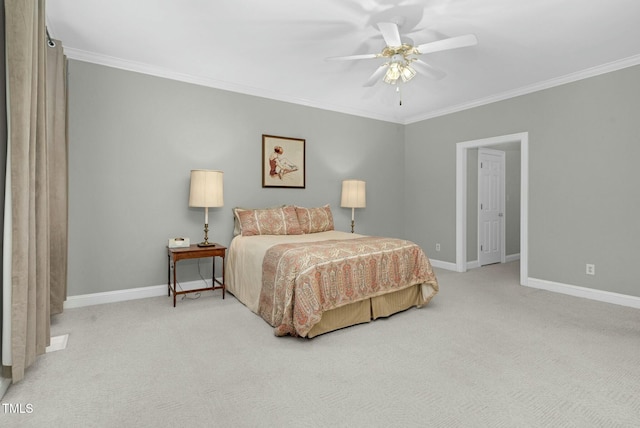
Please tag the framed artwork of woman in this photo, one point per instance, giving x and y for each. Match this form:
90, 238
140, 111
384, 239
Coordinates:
283, 162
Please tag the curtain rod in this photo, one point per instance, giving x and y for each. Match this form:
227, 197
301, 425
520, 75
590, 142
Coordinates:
50, 41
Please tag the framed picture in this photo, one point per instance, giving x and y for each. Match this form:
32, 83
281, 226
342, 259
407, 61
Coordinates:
283, 162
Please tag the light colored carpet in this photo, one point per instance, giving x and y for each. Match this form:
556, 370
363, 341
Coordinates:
486, 352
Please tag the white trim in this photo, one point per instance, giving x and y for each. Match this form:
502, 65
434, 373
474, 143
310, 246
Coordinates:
524, 208
473, 264
114, 296
586, 293
443, 265
139, 67
512, 258
461, 198
109, 61
562, 80
461, 207
161, 290
128, 294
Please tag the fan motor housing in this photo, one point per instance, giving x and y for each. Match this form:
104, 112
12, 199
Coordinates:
404, 50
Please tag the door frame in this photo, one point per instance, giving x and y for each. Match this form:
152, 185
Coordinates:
461, 197
503, 220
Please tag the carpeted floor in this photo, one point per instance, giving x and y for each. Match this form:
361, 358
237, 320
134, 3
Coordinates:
486, 352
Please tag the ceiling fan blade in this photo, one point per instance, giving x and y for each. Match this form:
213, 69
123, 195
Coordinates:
427, 70
376, 75
451, 43
352, 57
390, 33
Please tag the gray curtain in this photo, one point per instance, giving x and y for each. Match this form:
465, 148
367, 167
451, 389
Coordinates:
37, 143
57, 150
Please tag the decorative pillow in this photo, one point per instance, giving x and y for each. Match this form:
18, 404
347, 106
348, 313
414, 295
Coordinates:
237, 227
314, 220
274, 221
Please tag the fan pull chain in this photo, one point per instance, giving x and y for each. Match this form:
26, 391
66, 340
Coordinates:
399, 94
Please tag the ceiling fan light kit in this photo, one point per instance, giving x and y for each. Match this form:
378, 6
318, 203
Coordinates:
398, 70
403, 58
399, 66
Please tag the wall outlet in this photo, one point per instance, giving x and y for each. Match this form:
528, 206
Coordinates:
438, 247
591, 269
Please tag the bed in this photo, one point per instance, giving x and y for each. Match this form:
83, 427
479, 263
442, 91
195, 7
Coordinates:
289, 266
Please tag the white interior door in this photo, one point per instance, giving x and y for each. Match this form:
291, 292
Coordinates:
491, 194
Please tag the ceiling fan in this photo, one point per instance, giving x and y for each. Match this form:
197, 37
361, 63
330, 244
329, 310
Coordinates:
402, 58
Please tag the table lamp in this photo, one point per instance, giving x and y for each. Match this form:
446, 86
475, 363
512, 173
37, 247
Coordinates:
353, 196
206, 191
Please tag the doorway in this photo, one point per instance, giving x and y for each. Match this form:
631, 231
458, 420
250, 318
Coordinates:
461, 197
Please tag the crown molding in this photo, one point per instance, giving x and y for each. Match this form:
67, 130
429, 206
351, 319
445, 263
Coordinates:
143, 68
139, 67
569, 78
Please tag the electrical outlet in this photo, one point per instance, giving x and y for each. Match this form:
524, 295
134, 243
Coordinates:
591, 269
438, 247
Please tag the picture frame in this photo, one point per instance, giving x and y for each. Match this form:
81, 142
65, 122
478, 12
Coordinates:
283, 162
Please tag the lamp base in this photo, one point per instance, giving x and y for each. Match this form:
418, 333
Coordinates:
206, 242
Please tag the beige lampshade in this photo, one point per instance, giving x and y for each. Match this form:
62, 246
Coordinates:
206, 188
353, 194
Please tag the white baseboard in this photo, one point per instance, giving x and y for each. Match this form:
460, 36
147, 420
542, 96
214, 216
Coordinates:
473, 264
584, 292
129, 294
161, 290
114, 296
512, 258
443, 265
470, 265
556, 287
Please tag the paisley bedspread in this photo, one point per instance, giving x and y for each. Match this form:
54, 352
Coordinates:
301, 280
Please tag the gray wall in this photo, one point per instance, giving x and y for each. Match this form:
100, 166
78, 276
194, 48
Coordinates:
134, 138
584, 146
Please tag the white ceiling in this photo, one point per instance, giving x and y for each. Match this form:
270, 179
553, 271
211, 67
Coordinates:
277, 48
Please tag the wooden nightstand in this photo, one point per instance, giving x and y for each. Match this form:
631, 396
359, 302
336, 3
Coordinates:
194, 252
